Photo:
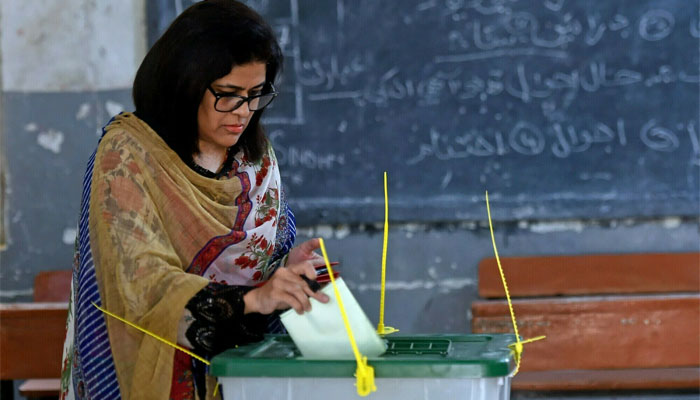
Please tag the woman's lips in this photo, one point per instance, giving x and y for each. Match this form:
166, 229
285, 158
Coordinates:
234, 128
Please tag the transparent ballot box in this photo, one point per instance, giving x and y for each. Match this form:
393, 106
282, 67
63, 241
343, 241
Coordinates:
474, 367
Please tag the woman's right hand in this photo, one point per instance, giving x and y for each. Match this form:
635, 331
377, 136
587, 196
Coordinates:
285, 289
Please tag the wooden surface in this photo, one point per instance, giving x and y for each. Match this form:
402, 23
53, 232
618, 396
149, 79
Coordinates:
31, 339
52, 286
626, 379
591, 274
40, 388
600, 333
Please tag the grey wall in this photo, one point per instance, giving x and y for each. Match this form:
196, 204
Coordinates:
3, 164
67, 67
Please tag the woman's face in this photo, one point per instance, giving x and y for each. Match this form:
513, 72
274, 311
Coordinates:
220, 130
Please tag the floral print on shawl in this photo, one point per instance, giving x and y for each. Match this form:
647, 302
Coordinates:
152, 233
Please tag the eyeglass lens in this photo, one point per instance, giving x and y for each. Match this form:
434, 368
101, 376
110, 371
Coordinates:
226, 104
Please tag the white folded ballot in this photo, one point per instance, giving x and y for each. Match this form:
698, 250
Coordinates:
321, 334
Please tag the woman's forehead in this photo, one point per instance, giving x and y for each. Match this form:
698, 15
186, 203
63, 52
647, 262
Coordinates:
244, 75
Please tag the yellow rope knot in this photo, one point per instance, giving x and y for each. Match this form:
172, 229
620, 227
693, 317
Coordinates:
385, 330
365, 378
517, 347
517, 350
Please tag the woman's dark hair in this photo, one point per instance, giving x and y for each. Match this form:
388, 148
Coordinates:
199, 47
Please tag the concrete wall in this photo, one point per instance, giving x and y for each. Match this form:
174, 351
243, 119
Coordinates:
67, 67
3, 161
71, 46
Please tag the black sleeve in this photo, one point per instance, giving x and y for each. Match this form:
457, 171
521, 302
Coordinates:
219, 322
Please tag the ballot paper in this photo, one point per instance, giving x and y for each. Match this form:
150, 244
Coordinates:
321, 334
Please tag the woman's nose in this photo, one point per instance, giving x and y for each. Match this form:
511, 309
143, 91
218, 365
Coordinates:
244, 109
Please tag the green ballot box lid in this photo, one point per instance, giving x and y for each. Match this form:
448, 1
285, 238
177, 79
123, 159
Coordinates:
415, 356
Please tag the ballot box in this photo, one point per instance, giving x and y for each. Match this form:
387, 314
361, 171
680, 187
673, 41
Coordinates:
443, 366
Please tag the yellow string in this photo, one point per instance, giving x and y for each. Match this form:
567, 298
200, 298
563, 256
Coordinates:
517, 347
381, 329
364, 373
166, 341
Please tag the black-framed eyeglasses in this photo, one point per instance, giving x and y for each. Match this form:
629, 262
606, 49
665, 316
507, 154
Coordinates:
227, 102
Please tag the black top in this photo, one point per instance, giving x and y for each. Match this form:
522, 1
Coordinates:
223, 172
219, 322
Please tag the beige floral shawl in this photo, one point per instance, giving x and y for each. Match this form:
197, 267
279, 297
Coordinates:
156, 233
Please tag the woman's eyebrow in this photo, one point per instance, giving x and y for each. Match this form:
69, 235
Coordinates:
234, 87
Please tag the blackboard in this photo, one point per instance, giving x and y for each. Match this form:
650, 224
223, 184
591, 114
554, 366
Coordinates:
561, 109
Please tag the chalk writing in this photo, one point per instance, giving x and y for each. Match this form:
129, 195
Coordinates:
659, 138
695, 142
329, 73
656, 25
523, 33
555, 90
530, 140
449, 88
296, 157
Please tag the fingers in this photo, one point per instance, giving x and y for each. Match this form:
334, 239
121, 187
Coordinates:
305, 252
305, 268
302, 298
317, 295
290, 300
287, 289
317, 260
309, 246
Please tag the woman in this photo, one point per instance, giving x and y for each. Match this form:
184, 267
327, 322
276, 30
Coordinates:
184, 225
